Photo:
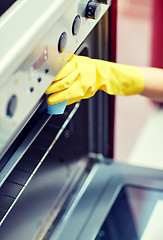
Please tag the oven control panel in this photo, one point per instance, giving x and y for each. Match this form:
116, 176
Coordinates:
38, 49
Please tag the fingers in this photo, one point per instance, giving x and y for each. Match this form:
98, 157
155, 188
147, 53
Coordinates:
63, 83
74, 93
57, 97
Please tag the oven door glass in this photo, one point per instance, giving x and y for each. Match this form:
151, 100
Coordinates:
117, 202
136, 215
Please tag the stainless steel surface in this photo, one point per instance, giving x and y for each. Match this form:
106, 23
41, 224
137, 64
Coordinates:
30, 59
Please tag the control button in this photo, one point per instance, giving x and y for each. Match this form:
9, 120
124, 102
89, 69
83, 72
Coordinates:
62, 42
11, 106
46, 70
39, 79
92, 10
31, 89
76, 25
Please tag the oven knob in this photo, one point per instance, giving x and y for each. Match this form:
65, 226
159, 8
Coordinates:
76, 25
62, 42
11, 106
92, 10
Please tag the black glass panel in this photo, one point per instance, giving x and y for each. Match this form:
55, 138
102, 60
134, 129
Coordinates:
130, 214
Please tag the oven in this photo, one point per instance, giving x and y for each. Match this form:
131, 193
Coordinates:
57, 176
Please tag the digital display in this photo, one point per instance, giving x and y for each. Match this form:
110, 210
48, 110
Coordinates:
40, 60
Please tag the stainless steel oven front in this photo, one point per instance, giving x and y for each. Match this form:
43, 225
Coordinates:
37, 39
44, 159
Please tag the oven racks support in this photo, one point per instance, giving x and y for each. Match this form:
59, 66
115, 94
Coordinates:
12, 188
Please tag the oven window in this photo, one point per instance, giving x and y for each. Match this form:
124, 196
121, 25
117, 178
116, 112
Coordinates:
136, 215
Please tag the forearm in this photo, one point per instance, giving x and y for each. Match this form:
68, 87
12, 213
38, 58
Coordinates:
153, 86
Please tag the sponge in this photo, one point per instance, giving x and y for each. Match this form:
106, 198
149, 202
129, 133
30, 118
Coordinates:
57, 108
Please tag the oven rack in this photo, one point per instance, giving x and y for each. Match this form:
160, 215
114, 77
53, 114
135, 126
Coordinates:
15, 184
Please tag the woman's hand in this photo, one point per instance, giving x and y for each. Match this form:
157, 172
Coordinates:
82, 77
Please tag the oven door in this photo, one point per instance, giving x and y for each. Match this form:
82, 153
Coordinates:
116, 202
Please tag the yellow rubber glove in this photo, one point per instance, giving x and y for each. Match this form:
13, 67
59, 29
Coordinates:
82, 77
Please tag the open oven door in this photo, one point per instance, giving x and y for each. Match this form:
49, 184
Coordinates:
116, 202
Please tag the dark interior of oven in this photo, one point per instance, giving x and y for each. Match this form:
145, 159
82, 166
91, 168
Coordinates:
52, 155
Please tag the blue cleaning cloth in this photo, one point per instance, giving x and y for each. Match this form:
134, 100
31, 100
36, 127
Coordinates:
57, 108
